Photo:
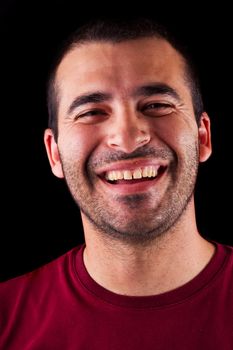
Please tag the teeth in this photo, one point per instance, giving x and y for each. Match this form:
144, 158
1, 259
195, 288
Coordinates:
150, 171
144, 171
119, 175
127, 175
110, 176
137, 174
147, 171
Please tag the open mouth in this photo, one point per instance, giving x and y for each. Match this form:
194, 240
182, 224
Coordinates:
135, 176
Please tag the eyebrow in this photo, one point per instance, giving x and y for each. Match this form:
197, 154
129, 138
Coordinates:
95, 97
145, 90
156, 89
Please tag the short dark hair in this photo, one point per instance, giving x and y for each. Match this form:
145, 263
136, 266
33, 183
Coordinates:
116, 31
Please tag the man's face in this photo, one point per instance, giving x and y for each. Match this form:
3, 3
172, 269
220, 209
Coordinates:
128, 140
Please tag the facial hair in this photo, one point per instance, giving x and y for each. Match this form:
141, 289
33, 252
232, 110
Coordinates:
131, 225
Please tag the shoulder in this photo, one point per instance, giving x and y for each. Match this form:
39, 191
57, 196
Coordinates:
224, 275
36, 281
224, 253
227, 252
27, 300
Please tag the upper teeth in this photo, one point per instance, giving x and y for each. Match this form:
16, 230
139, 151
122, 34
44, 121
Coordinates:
147, 171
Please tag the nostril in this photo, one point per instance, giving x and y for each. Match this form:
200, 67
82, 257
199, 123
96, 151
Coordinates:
129, 141
142, 139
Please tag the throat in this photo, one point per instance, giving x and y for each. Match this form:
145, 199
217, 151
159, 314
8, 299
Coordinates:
150, 271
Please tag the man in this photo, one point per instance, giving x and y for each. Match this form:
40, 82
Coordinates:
127, 131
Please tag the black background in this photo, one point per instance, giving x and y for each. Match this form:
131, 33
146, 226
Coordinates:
39, 220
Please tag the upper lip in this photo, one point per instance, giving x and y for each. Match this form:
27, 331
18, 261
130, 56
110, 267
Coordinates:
131, 165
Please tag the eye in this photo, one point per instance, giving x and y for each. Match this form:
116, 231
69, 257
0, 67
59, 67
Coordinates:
158, 109
91, 116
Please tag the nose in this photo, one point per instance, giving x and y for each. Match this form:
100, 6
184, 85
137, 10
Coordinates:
129, 131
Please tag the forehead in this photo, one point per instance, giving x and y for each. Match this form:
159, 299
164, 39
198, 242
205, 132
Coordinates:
119, 67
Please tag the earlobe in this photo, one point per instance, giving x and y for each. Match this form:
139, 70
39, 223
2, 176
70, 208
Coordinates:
205, 147
53, 153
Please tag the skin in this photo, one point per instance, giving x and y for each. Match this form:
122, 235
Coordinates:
141, 238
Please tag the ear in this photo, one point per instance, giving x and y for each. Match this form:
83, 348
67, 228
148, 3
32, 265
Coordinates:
205, 146
53, 153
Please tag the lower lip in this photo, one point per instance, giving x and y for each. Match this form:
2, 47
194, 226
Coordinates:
133, 187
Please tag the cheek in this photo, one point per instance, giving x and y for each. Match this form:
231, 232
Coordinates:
78, 143
176, 132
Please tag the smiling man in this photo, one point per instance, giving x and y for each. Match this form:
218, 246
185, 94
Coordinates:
127, 131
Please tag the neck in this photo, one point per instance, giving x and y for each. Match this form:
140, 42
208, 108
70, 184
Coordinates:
170, 261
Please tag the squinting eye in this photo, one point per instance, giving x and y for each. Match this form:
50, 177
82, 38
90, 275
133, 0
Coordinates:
91, 114
158, 109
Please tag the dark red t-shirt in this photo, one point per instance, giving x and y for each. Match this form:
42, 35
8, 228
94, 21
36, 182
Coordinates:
59, 306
